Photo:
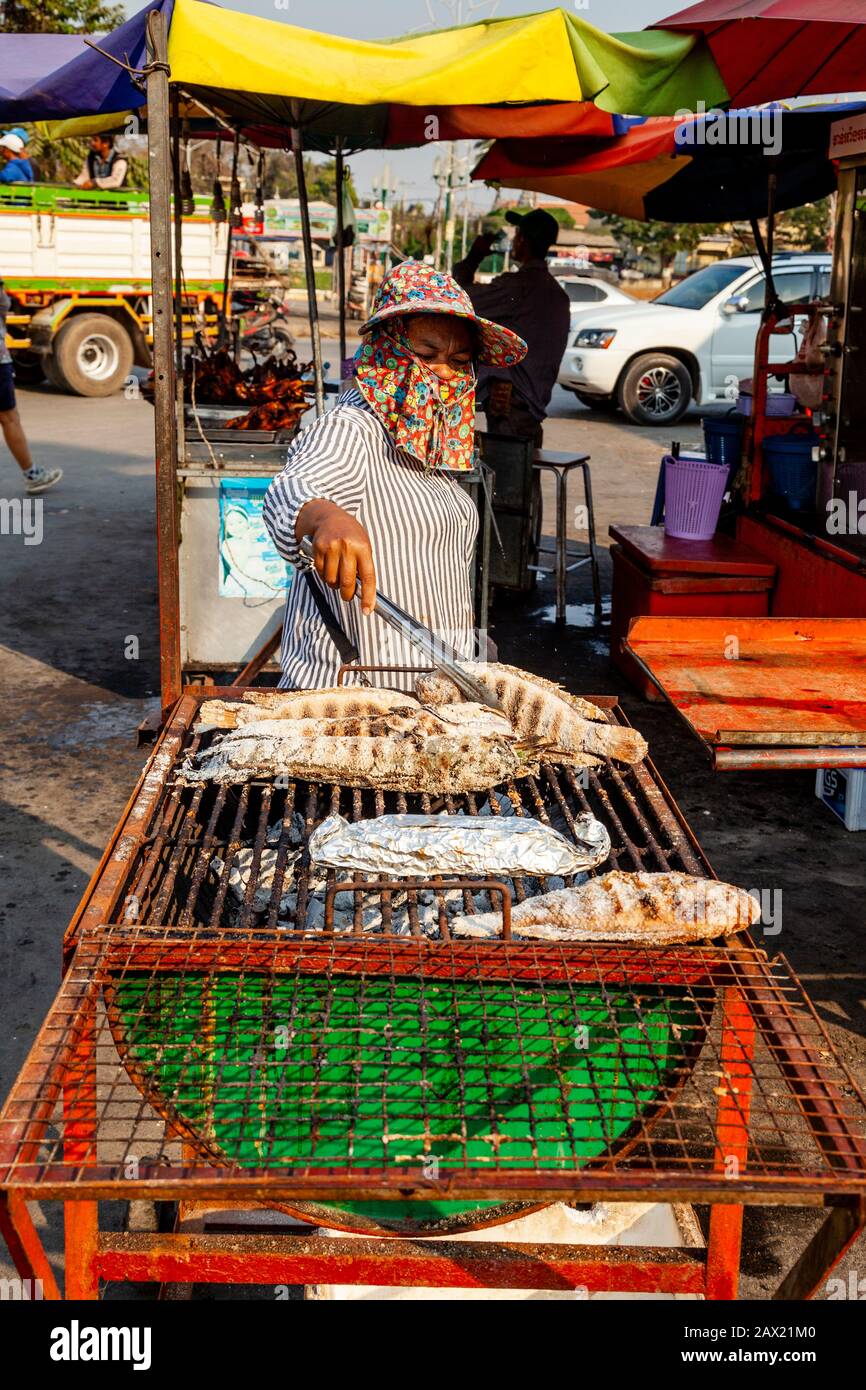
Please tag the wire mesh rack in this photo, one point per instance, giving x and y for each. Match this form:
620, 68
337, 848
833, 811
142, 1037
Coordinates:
302, 1066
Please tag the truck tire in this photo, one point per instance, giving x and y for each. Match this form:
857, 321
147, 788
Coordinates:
92, 355
52, 372
655, 390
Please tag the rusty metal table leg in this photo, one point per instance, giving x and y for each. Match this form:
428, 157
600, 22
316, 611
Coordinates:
732, 1142
824, 1251
25, 1247
81, 1219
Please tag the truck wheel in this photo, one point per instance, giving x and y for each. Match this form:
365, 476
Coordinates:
52, 372
93, 355
655, 390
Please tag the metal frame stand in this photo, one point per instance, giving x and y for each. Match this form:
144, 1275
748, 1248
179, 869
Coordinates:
560, 465
759, 1016
307, 237
165, 396
274, 1256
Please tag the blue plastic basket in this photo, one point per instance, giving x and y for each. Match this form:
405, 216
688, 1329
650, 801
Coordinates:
723, 438
793, 472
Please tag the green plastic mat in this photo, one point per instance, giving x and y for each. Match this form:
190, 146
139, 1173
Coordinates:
277, 1071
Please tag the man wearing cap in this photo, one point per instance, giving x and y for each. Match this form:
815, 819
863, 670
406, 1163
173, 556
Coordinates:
531, 303
17, 167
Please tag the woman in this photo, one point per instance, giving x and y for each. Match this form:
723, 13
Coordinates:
370, 484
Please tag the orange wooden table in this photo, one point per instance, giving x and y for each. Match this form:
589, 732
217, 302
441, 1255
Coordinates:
762, 692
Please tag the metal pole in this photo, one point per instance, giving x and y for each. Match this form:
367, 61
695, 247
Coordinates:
770, 297
227, 277
165, 419
178, 267
449, 210
341, 255
437, 245
312, 303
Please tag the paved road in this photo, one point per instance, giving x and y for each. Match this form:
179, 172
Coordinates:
78, 637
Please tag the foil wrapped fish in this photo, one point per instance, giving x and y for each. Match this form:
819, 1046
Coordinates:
412, 761
643, 909
569, 727
423, 846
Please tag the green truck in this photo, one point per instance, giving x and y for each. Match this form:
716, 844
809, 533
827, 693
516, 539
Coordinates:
76, 265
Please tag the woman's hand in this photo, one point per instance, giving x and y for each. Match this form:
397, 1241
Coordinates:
342, 552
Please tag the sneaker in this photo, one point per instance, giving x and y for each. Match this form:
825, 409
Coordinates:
41, 479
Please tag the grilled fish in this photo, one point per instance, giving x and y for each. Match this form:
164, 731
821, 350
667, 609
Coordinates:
401, 720
537, 708
646, 909
350, 701
413, 762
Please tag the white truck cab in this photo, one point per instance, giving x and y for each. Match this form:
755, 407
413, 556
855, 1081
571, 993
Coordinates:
693, 344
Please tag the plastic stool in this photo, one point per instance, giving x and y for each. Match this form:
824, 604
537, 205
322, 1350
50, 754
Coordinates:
561, 464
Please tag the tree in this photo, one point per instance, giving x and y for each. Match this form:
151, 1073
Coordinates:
808, 228
415, 230
661, 240
279, 179
561, 214
59, 17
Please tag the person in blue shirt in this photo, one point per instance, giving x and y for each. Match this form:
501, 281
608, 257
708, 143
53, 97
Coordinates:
17, 167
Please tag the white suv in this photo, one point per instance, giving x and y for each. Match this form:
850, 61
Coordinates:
695, 342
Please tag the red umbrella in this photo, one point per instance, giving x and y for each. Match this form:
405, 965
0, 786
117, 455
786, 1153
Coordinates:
413, 125
663, 170
767, 50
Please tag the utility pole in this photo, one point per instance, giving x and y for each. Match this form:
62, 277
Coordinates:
449, 208
458, 12
444, 248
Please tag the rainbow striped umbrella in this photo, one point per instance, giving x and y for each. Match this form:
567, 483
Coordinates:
707, 169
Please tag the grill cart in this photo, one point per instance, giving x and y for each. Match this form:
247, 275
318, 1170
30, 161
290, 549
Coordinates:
255, 1046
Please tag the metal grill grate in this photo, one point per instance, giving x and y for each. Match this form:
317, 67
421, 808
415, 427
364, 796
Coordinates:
301, 1066
196, 837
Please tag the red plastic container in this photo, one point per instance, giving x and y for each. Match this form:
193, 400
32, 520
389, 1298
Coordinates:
656, 575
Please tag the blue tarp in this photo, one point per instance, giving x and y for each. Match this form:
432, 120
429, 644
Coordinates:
55, 76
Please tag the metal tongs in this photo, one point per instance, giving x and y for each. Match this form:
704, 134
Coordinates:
440, 655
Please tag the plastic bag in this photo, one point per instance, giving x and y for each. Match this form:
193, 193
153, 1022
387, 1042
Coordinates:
809, 389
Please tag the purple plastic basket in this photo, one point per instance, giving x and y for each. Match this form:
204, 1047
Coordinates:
693, 497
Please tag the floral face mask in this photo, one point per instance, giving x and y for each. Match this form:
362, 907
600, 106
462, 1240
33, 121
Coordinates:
432, 419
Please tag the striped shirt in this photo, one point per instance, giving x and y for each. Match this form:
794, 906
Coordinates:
422, 526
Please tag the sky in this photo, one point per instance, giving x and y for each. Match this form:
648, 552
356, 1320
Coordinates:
412, 170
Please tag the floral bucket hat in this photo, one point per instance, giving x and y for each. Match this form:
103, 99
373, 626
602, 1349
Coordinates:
413, 287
